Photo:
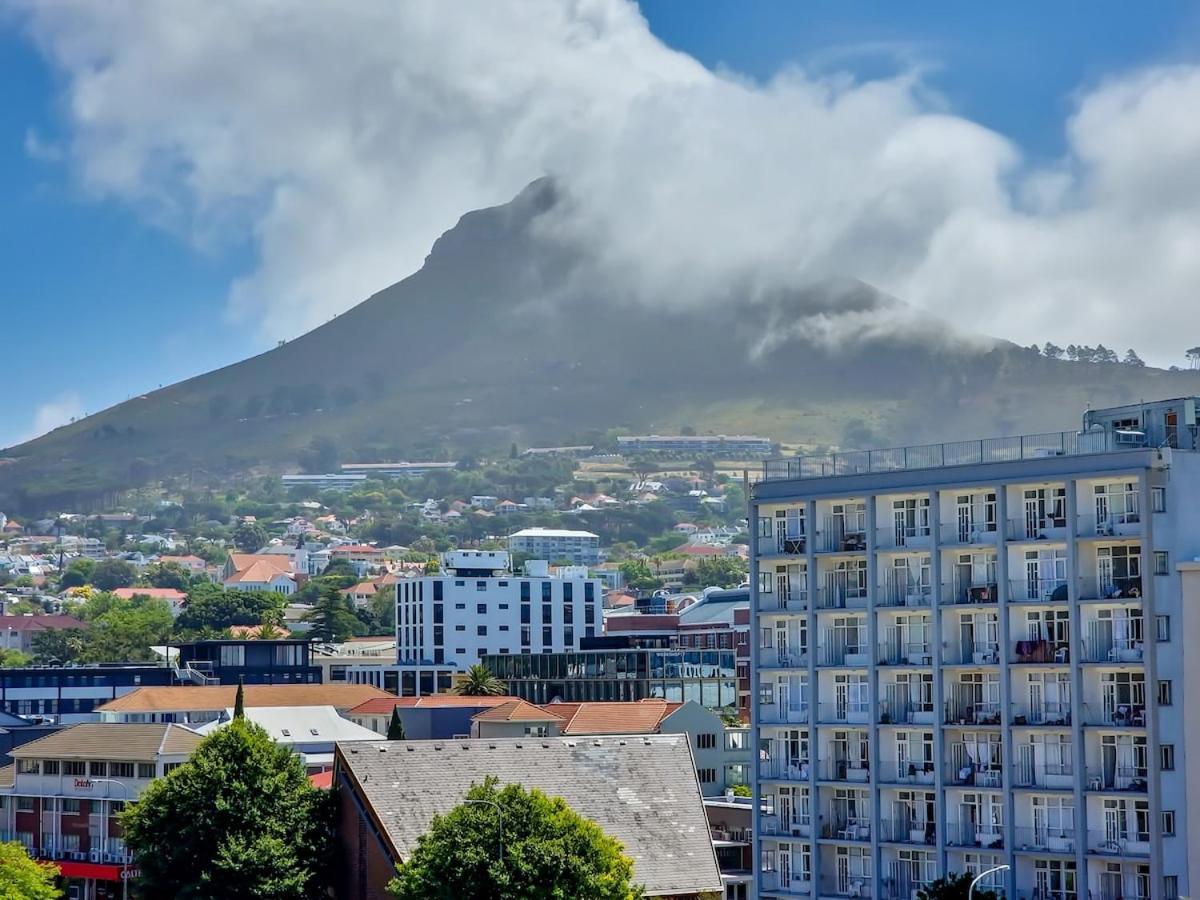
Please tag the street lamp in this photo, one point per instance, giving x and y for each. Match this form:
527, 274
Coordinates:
981, 876
125, 799
500, 835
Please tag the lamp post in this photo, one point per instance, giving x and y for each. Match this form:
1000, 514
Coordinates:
500, 834
981, 876
125, 799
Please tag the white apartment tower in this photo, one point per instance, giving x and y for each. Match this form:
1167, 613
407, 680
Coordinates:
476, 606
970, 655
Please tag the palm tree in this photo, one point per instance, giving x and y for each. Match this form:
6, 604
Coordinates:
480, 682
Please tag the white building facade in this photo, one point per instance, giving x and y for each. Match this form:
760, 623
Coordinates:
971, 655
477, 607
581, 548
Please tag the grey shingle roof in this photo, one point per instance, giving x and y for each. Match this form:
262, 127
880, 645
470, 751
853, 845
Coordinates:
640, 789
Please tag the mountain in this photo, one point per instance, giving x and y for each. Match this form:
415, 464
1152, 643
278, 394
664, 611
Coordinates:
510, 333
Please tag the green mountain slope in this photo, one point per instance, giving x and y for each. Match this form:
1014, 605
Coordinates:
506, 334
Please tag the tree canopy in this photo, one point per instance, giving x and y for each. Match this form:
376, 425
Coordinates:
249, 537
721, 571
23, 878
110, 574
478, 681
238, 820
211, 607
954, 887
512, 843
332, 617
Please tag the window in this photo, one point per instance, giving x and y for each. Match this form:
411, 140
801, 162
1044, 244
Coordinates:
1170, 887
50, 767
97, 768
525, 618
74, 768
460, 606
706, 741
481, 609
1167, 757
70, 805
1158, 499
481, 630
547, 615
24, 804
526, 635
707, 776
145, 770
1162, 628
232, 657
481, 585
168, 768
120, 769
1164, 693
569, 636
29, 766
1162, 562
1168, 822
547, 636
460, 627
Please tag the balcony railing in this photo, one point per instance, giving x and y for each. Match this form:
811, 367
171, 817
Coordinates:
844, 713
1104, 648
936, 456
970, 593
841, 654
778, 714
969, 533
894, 772
904, 711
1119, 778
1050, 775
905, 653
784, 769
1046, 840
1120, 715
1038, 590
840, 827
1116, 589
974, 834
790, 544
778, 881
971, 653
903, 591
771, 657
842, 596
1041, 651
1049, 714
1113, 525
846, 886
907, 831
959, 712
1115, 842
854, 771
794, 601
899, 537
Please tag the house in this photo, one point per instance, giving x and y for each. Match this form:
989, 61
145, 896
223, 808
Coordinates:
188, 705
261, 572
641, 791
308, 731
16, 632
173, 598
429, 718
193, 564
362, 593
249, 660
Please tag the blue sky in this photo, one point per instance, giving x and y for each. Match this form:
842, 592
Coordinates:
97, 304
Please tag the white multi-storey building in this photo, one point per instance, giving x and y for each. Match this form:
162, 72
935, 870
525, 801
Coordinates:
477, 607
970, 655
581, 548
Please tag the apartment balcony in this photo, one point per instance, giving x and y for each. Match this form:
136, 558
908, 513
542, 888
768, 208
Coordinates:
1114, 525
774, 658
1044, 839
786, 884
1051, 715
850, 771
904, 772
906, 830
1035, 529
1053, 777
1117, 715
1119, 778
842, 596
968, 533
969, 713
838, 653
974, 834
903, 592
843, 713
971, 653
1116, 589
783, 714
1038, 590
843, 885
904, 711
897, 649
968, 774
1118, 843
970, 593
784, 770
1040, 651
794, 601
834, 539
1102, 647
1124, 884
841, 827
775, 825
787, 545
902, 537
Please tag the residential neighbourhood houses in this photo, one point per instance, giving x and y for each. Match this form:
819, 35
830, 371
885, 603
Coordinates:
948, 658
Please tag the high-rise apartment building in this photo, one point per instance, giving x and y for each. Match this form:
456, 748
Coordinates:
970, 655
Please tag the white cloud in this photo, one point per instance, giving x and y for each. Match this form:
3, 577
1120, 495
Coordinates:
346, 138
64, 408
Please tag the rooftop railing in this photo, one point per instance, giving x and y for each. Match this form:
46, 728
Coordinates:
955, 453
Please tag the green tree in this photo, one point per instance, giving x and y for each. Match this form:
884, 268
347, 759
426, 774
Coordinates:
511, 843
211, 607
111, 574
249, 537
239, 700
13, 659
238, 820
721, 571
126, 631
332, 618
480, 682
78, 573
168, 575
58, 645
954, 887
638, 576
396, 727
23, 878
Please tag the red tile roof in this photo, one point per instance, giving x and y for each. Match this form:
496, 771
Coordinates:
322, 780
156, 593
517, 711
641, 717
39, 623
379, 706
